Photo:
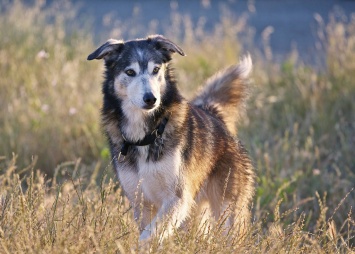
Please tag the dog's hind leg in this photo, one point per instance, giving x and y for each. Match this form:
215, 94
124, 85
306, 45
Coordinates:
240, 219
229, 203
174, 211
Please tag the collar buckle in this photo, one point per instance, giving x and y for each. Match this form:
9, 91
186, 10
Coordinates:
119, 159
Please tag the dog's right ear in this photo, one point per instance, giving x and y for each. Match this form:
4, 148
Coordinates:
106, 49
165, 44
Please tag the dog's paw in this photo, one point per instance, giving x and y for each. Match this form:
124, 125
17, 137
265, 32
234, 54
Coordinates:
145, 235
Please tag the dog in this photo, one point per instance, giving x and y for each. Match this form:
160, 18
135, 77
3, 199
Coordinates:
172, 155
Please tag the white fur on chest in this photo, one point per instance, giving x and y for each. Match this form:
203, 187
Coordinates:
135, 128
159, 179
156, 180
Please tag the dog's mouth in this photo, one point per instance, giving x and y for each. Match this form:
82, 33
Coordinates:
145, 108
149, 107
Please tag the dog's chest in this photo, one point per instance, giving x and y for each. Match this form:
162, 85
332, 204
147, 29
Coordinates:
157, 180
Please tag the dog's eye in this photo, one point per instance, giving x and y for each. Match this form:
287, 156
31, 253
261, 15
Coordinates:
156, 70
130, 72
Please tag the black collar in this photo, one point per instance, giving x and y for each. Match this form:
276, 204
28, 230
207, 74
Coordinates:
154, 137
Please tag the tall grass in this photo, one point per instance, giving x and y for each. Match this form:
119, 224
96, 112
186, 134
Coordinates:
299, 129
49, 96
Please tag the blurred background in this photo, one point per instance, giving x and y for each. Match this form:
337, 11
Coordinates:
300, 121
286, 25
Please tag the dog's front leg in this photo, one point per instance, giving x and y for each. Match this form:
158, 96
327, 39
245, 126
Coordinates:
144, 210
175, 210
143, 214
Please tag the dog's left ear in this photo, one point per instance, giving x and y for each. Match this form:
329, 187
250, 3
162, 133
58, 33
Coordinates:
165, 44
106, 49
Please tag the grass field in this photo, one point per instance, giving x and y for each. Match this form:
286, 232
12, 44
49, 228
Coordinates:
58, 193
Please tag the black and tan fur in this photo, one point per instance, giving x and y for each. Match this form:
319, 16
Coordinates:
202, 162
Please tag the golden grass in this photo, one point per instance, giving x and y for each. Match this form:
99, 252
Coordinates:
80, 216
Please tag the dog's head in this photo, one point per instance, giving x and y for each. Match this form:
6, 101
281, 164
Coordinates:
137, 69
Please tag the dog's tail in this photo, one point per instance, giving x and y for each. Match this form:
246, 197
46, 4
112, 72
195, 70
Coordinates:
225, 93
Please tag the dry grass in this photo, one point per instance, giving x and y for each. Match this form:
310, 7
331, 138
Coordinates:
49, 97
85, 217
300, 130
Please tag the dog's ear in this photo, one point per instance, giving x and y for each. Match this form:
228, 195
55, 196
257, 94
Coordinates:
106, 49
165, 44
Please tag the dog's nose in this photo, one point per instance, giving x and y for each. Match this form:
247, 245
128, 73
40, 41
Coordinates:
149, 99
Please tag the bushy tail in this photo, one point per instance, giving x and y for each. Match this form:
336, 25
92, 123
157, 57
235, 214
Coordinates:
226, 92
